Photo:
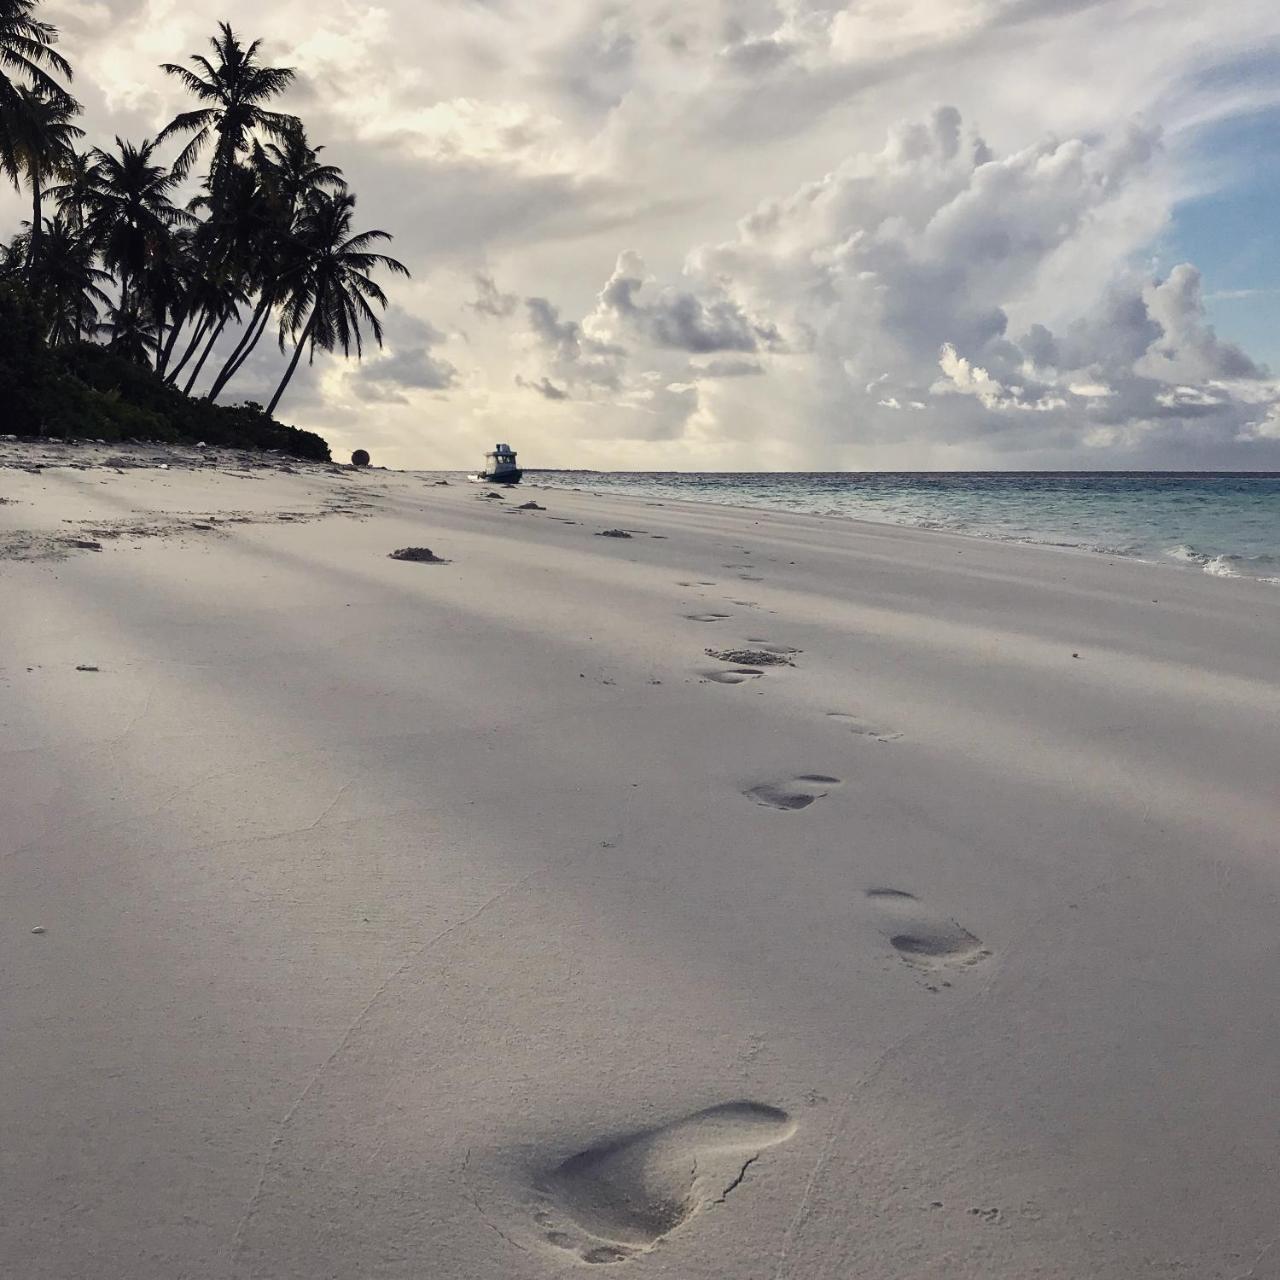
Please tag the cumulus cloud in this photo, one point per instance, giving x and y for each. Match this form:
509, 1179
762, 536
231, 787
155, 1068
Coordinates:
915, 259
678, 319
574, 356
406, 365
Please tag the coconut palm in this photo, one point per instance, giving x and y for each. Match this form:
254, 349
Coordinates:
74, 190
26, 49
290, 176
28, 60
130, 209
131, 331
329, 286
40, 139
69, 284
234, 85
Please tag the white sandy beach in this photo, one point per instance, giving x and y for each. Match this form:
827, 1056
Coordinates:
459, 922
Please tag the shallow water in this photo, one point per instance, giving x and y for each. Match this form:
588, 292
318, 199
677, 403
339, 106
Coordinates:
1222, 524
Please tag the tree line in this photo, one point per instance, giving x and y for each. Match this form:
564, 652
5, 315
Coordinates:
112, 256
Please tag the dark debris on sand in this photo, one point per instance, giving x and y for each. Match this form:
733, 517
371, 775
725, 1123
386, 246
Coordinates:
420, 555
750, 657
613, 533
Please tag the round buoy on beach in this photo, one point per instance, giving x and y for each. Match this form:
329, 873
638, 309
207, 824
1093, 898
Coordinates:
360, 458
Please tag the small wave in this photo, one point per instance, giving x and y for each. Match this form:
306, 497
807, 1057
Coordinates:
1226, 565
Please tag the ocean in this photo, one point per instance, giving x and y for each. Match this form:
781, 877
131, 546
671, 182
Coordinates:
1227, 524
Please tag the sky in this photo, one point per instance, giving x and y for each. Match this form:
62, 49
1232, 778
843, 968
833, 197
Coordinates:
777, 234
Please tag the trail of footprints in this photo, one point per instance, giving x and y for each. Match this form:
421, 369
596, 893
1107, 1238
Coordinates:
621, 1197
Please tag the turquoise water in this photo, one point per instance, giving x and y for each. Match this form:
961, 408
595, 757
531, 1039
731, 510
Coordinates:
1223, 524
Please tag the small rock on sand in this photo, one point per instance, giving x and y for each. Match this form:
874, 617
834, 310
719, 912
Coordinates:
530, 506
84, 666
613, 533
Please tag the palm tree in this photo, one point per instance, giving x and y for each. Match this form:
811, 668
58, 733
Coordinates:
27, 52
130, 210
290, 177
131, 331
234, 85
73, 194
40, 139
67, 281
329, 286
26, 47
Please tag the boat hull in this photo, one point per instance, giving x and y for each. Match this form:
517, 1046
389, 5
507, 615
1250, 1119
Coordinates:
507, 477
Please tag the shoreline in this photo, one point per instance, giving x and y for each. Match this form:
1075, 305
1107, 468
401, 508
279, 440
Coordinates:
1171, 560
369, 916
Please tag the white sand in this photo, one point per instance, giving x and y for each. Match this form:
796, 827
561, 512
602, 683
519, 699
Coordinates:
449, 921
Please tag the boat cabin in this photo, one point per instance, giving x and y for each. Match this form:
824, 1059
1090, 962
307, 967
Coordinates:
500, 466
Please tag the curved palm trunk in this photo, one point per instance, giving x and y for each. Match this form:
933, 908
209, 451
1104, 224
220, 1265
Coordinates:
248, 340
293, 364
200, 330
195, 373
179, 316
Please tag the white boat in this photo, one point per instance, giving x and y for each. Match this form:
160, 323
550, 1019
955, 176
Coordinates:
499, 467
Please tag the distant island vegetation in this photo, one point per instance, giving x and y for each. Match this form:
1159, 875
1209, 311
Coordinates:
115, 293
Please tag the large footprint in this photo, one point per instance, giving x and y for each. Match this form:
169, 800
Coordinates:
922, 939
792, 793
621, 1197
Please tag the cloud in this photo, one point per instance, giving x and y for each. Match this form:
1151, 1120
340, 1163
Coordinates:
406, 365
544, 387
575, 357
677, 319
490, 300
730, 368
751, 245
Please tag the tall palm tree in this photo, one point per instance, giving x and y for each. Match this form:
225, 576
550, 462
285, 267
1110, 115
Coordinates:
130, 208
234, 85
232, 244
69, 284
329, 285
73, 192
27, 60
290, 176
41, 140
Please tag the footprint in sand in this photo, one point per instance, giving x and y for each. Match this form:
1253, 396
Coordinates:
792, 793
707, 617
735, 675
864, 728
924, 940
619, 1198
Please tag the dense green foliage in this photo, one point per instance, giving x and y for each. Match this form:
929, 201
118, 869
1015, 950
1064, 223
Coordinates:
120, 272
84, 390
